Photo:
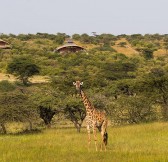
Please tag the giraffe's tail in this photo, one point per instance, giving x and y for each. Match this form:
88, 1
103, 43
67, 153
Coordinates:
105, 138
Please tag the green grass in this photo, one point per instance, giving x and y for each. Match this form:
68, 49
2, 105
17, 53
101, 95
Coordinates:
136, 143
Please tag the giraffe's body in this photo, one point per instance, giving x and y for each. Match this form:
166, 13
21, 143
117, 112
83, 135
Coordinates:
94, 119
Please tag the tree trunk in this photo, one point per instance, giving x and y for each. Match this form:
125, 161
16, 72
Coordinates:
25, 80
3, 128
78, 127
48, 125
30, 125
165, 107
165, 112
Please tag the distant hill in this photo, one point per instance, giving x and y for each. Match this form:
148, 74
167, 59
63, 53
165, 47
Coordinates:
41, 47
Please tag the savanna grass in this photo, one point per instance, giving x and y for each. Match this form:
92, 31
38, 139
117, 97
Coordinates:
136, 143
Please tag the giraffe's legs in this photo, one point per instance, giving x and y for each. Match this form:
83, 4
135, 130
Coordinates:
102, 143
95, 137
89, 138
104, 135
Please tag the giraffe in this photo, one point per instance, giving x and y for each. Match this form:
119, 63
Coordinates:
94, 118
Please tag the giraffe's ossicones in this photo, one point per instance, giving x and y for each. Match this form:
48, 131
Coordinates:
94, 118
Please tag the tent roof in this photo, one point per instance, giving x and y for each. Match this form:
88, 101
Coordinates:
69, 43
3, 41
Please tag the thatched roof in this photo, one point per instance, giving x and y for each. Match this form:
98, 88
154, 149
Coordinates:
68, 44
3, 41
5, 44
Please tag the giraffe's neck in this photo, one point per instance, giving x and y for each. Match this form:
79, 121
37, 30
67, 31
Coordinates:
86, 101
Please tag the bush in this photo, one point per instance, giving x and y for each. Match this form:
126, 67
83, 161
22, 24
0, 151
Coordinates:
6, 86
132, 110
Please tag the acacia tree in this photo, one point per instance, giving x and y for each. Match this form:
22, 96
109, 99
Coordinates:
118, 70
15, 106
147, 53
131, 110
74, 111
48, 102
156, 86
23, 68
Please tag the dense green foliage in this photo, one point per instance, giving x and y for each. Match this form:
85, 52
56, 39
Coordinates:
23, 68
16, 107
132, 89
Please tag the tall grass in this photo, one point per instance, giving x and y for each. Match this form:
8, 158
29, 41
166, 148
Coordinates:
138, 143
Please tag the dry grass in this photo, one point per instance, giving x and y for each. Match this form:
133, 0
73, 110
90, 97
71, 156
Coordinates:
86, 46
7, 77
160, 52
34, 79
138, 143
127, 50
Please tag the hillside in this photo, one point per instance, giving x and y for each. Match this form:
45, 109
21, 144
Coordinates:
41, 47
127, 49
126, 75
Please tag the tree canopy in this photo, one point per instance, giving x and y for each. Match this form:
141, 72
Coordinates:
23, 68
131, 88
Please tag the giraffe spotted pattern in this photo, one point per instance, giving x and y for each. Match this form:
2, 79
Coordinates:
94, 118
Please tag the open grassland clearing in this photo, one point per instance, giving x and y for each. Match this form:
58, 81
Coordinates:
128, 50
136, 143
34, 79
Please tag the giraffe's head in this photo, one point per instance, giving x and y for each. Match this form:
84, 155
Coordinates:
78, 85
